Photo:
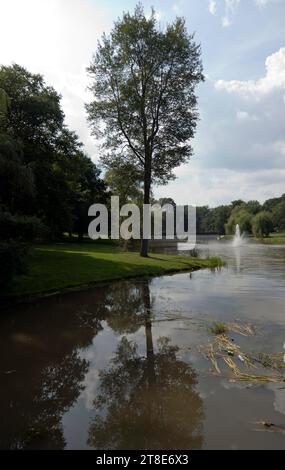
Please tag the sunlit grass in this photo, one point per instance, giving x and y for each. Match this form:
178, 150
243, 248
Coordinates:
54, 267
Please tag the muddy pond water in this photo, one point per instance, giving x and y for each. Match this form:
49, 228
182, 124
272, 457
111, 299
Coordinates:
120, 366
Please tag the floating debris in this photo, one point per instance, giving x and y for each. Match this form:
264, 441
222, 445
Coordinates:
269, 427
212, 357
244, 330
224, 349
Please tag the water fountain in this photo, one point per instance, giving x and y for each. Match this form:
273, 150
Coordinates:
238, 238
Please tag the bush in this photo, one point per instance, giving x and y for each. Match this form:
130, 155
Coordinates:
22, 228
12, 261
262, 224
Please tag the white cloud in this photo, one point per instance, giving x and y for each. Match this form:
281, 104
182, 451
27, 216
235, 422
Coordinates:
226, 22
218, 186
274, 79
229, 8
212, 7
264, 3
177, 8
245, 116
261, 3
275, 148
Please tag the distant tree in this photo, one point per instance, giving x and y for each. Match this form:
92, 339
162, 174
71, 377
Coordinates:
262, 224
237, 203
241, 217
220, 216
270, 204
144, 94
253, 207
278, 216
202, 219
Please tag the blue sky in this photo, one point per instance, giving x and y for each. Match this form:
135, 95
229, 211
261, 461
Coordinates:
240, 142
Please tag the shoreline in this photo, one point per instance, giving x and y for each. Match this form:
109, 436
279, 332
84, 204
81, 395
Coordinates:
59, 269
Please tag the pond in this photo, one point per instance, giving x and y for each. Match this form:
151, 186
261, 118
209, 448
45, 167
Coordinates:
120, 366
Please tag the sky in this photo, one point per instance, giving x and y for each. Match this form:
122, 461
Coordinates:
239, 147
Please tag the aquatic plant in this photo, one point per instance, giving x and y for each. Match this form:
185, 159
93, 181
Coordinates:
219, 328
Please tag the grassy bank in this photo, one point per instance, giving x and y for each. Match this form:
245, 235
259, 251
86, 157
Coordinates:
55, 267
271, 240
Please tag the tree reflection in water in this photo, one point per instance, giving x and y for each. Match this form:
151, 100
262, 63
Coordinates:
142, 402
147, 402
41, 372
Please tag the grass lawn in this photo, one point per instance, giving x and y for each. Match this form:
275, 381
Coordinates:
55, 267
271, 240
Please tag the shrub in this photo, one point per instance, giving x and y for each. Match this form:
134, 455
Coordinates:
22, 228
12, 261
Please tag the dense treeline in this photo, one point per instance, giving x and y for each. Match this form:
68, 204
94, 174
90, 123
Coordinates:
253, 217
47, 182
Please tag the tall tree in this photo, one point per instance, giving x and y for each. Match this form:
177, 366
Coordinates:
145, 107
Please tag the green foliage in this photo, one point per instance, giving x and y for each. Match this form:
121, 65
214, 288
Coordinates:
278, 216
12, 261
15, 231
241, 217
4, 104
253, 207
262, 224
124, 180
23, 228
144, 82
219, 217
43, 170
47, 183
219, 328
270, 204
16, 178
34, 115
203, 219
237, 203
223, 219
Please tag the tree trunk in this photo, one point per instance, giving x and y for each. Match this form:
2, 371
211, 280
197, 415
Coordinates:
147, 185
149, 377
